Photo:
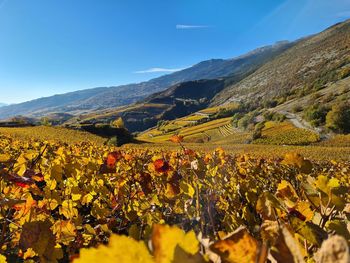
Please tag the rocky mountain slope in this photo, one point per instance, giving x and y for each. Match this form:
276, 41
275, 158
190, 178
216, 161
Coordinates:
306, 67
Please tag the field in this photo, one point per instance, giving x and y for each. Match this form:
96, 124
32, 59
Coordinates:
60, 200
210, 130
286, 133
337, 141
57, 134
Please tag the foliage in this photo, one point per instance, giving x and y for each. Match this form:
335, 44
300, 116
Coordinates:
338, 119
61, 201
118, 123
316, 114
274, 116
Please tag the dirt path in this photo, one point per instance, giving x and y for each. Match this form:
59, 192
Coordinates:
302, 124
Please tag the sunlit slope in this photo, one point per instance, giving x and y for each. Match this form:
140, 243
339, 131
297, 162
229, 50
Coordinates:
56, 134
310, 64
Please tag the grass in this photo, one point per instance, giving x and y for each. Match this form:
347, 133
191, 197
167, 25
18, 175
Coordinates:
57, 134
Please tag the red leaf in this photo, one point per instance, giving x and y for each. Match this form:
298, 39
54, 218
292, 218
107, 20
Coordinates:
190, 152
112, 158
21, 181
161, 166
23, 185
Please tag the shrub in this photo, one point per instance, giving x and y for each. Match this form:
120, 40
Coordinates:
338, 119
316, 114
297, 108
118, 123
274, 116
235, 118
270, 103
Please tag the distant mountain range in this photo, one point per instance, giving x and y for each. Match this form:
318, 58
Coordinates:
2, 104
90, 100
312, 70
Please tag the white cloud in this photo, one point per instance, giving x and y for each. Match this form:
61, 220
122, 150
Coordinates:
158, 70
344, 14
191, 26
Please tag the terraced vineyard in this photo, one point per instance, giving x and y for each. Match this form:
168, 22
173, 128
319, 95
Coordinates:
286, 134
206, 131
56, 134
226, 130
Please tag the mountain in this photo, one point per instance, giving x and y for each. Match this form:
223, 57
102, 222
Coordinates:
91, 100
2, 104
307, 67
303, 82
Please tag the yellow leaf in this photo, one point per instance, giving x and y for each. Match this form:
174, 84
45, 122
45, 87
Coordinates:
165, 240
311, 232
87, 199
30, 253
304, 208
295, 159
4, 158
53, 203
333, 183
286, 192
90, 229
187, 189
76, 197
172, 190
2, 259
120, 249
237, 248
65, 231
68, 209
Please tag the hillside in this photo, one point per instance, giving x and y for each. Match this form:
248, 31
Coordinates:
177, 101
305, 68
90, 100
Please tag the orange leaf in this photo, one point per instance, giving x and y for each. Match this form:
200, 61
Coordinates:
176, 138
239, 247
161, 166
112, 158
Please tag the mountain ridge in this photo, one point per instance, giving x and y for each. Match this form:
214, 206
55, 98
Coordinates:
89, 100
305, 65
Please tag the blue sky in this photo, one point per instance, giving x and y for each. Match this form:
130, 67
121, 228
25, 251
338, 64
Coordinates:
55, 46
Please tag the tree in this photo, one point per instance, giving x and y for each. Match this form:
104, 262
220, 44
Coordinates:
45, 121
118, 123
316, 114
338, 119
